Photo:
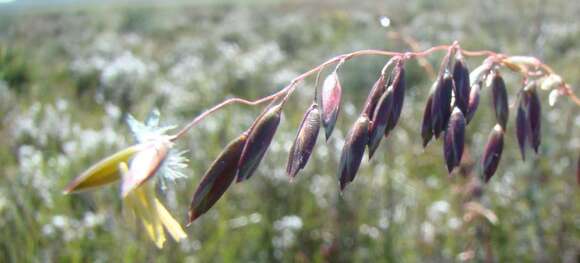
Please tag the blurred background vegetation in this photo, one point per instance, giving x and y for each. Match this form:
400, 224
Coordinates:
70, 73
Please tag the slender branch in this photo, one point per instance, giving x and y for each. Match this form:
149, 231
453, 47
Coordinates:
219, 106
291, 87
480, 53
285, 91
414, 45
570, 93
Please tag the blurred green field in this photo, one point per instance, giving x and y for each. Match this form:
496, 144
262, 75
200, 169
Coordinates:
70, 74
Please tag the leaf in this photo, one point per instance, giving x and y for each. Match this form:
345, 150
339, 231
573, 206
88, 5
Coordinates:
304, 141
353, 151
104, 172
330, 103
259, 139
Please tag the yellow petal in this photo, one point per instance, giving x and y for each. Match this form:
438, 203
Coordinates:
133, 204
139, 203
172, 226
151, 220
103, 172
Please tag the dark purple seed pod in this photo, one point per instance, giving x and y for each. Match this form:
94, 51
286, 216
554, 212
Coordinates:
381, 118
389, 79
534, 117
499, 99
426, 129
441, 107
330, 103
454, 139
448, 151
375, 95
353, 151
473, 101
457, 125
217, 178
259, 138
376, 92
522, 125
492, 152
398, 86
461, 80
305, 141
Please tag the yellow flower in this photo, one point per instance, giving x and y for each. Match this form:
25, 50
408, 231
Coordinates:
143, 203
135, 166
137, 190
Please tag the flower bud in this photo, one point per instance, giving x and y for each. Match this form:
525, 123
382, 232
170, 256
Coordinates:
217, 178
259, 139
462, 85
104, 172
398, 85
330, 103
492, 152
499, 99
376, 92
522, 125
454, 139
381, 118
305, 141
534, 116
353, 151
473, 101
426, 129
441, 107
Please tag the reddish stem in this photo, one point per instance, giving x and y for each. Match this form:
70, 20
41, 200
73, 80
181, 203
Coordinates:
289, 89
219, 106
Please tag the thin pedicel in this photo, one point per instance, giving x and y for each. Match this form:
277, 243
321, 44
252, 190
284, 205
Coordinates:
503, 59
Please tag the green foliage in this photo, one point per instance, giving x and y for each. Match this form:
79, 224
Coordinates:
68, 78
13, 69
